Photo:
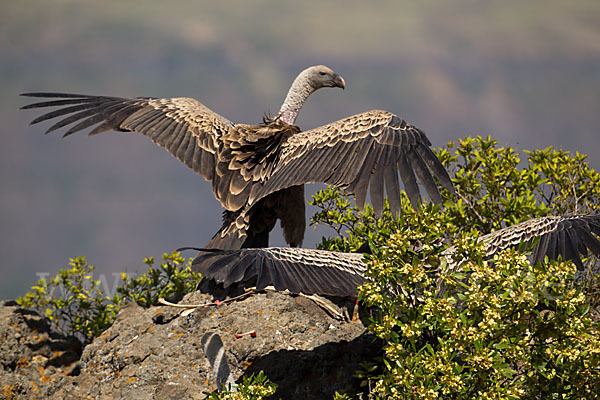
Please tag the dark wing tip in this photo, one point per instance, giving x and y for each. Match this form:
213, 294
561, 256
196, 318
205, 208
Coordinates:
55, 95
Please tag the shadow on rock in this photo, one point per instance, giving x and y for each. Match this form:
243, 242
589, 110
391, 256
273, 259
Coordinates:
318, 373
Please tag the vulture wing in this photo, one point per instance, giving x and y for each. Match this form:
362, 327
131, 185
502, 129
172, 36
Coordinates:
363, 150
186, 128
294, 269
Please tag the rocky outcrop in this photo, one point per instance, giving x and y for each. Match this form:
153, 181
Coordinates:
34, 360
160, 352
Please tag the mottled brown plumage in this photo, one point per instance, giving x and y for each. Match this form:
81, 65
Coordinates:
570, 236
262, 165
337, 274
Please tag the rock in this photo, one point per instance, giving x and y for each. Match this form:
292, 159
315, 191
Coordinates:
34, 360
158, 352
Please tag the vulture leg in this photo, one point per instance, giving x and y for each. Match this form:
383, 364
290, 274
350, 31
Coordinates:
292, 213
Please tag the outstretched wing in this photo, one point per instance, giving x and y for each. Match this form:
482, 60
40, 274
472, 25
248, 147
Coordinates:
570, 236
186, 128
294, 269
338, 274
368, 149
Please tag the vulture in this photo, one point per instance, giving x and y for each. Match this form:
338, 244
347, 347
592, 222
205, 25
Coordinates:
338, 274
258, 171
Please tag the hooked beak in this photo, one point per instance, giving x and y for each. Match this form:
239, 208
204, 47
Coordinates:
338, 81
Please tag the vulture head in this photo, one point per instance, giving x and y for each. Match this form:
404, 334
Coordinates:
309, 80
321, 76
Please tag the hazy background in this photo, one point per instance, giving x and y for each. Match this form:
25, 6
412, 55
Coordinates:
526, 72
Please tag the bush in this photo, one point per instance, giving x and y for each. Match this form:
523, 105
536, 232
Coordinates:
73, 301
505, 329
173, 277
493, 191
75, 304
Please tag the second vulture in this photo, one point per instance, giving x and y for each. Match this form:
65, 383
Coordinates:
258, 171
330, 273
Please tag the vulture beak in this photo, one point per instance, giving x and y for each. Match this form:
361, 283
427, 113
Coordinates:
338, 81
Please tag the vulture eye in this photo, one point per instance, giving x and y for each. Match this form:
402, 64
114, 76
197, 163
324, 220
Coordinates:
322, 73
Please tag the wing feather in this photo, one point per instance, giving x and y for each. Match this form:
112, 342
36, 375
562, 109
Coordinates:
364, 176
188, 155
410, 181
55, 103
335, 159
594, 225
267, 275
116, 119
183, 148
589, 240
347, 154
69, 120
317, 163
377, 182
94, 119
286, 276
142, 121
353, 165
561, 244
176, 144
204, 162
572, 247
163, 127
173, 142
108, 110
61, 112
392, 186
542, 249
434, 165
552, 251
422, 172
237, 268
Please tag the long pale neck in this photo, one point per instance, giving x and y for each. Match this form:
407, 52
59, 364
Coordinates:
297, 95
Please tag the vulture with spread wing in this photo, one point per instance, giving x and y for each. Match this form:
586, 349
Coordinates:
338, 274
258, 172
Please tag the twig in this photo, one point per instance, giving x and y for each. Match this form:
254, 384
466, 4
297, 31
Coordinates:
216, 303
333, 312
240, 335
321, 303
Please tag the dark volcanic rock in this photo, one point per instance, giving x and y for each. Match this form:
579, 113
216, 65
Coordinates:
158, 352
